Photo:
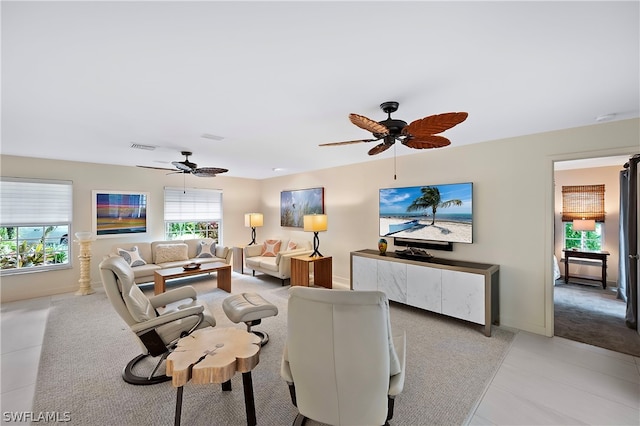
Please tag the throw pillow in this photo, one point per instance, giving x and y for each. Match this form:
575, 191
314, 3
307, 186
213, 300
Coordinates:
132, 256
206, 249
270, 248
171, 252
291, 245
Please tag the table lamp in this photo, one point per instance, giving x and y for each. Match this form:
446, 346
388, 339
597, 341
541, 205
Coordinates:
253, 220
315, 223
584, 225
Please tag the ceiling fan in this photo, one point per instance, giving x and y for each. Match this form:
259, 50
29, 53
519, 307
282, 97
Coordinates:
420, 134
187, 167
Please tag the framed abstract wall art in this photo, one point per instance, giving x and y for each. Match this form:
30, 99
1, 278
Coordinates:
119, 213
297, 203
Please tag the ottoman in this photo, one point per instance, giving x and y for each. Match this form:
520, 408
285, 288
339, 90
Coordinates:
249, 308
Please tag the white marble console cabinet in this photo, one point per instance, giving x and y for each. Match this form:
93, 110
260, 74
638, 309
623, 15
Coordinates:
465, 290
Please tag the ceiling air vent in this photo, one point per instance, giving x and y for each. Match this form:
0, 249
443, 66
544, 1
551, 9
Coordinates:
145, 147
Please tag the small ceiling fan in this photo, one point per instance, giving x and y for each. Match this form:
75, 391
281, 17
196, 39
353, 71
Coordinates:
187, 167
420, 134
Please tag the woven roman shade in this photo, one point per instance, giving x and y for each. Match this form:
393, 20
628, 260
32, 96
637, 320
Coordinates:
583, 202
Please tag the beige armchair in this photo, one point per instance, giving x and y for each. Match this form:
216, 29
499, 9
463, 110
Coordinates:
340, 360
157, 332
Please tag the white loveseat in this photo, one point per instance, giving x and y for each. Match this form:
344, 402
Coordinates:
147, 257
278, 266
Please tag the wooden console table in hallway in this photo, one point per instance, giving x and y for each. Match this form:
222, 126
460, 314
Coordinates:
595, 255
322, 271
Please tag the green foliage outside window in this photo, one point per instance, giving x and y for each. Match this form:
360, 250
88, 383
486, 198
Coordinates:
33, 246
191, 230
583, 240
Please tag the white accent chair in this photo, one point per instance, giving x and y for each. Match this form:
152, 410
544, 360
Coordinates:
157, 333
341, 362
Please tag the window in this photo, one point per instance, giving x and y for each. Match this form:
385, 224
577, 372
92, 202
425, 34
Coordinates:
192, 213
583, 240
583, 203
35, 224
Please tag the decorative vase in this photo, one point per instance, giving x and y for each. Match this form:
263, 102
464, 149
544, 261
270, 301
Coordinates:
382, 246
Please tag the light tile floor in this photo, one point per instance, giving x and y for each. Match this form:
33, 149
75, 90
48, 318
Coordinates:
541, 381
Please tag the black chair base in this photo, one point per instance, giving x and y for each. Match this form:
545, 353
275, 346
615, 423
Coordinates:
300, 420
264, 337
133, 379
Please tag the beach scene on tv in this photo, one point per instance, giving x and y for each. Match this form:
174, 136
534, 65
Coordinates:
434, 212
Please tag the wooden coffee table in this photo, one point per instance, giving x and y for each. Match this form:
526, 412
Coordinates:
224, 275
214, 355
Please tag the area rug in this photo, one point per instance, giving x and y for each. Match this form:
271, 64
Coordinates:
591, 315
449, 365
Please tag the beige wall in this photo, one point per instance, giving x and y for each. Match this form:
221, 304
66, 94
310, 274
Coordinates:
610, 177
239, 196
513, 184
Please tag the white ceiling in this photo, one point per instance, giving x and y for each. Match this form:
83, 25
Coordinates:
82, 81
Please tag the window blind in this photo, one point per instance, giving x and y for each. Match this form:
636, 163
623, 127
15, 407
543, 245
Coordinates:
583, 202
192, 205
35, 202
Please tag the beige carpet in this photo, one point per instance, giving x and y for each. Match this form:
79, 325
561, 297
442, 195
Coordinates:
86, 345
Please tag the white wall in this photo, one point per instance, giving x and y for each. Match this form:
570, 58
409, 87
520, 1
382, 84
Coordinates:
239, 196
513, 184
610, 177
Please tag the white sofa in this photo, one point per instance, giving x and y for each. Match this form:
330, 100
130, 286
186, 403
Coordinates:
278, 266
147, 257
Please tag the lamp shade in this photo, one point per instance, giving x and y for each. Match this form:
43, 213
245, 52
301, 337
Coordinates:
252, 220
315, 222
584, 225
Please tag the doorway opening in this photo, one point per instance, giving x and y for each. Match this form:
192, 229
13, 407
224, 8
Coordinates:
584, 310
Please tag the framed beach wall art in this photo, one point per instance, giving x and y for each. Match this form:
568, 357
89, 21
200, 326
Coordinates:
295, 204
119, 213
442, 213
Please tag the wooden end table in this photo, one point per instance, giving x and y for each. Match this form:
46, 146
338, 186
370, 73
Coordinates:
161, 276
214, 355
322, 271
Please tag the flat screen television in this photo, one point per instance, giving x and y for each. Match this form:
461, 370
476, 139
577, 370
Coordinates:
442, 213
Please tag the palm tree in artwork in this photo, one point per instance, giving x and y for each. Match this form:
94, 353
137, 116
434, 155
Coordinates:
431, 198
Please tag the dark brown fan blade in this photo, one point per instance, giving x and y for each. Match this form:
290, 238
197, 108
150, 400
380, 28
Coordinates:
208, 171
434, 124
157, 168
368, 124
426, 142
379, 148
349, 142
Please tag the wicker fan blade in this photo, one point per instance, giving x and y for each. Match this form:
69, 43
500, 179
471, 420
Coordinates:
348, 142
426, 142
379, 148
208, 171
368, 124
434, 124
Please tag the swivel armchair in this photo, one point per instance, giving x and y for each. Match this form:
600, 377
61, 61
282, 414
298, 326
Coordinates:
341, 363
156, 332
